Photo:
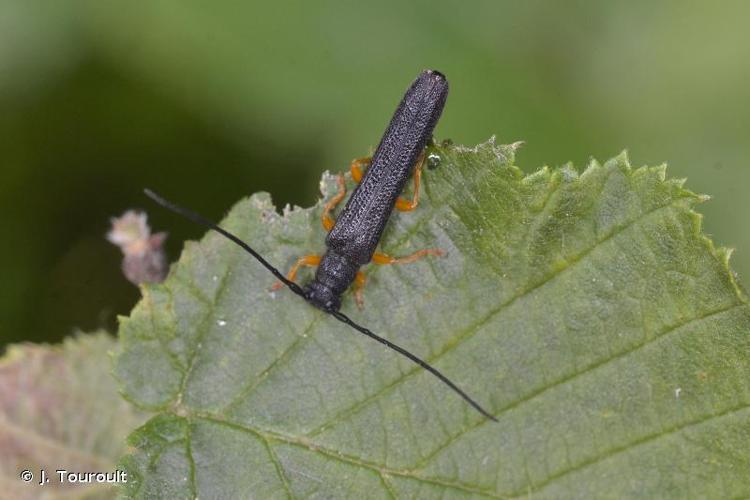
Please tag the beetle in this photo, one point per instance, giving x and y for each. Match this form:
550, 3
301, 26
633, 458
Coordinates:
356, 233
354, 236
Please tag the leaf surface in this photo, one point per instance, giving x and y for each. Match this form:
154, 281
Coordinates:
586, 310
59, 409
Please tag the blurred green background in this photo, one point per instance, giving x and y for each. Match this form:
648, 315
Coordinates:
207, 102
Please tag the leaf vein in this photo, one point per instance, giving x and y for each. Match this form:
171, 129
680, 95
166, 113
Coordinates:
639, 442
247, 391
277, 464
205, 328
534, 394
343, 458
387, 486
472, 329
191, 461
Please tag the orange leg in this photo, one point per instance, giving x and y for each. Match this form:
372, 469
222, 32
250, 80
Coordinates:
381, 258
356, 168
407, 205
307, 260
359, 286
328, 221
401, 204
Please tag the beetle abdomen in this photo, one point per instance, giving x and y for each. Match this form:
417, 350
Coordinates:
360, 225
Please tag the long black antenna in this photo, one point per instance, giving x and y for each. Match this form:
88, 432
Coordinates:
195, 217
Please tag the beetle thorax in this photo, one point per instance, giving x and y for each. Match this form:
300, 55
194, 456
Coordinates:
334, 275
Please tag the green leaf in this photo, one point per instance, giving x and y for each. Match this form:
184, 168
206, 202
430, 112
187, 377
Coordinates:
59, 409
585, 310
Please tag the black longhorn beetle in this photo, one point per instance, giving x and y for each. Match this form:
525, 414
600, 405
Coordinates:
354, 236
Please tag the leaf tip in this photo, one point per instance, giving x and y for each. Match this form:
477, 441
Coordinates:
623, 158
593, 164
515, 146
724, 254
568, 172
